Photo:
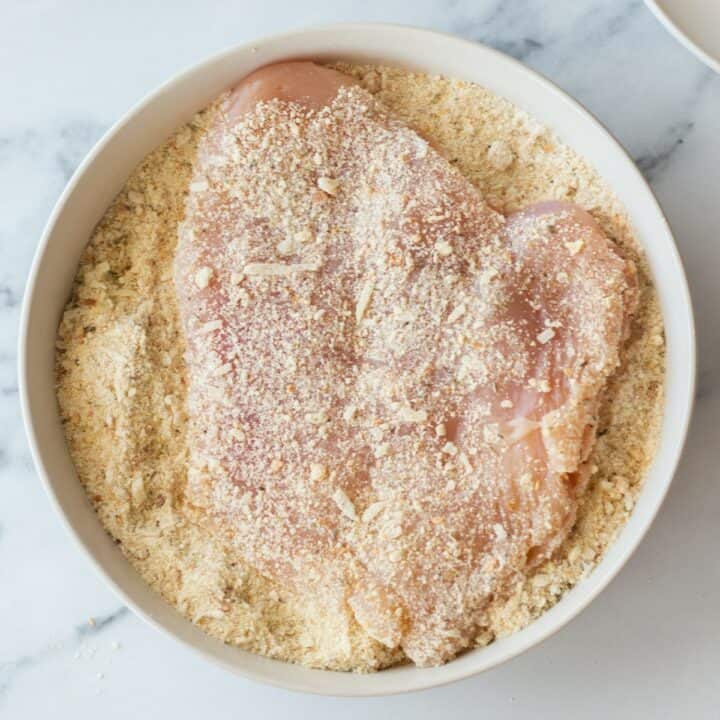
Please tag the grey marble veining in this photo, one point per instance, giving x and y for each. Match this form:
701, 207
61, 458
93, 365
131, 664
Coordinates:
76, 638
646, 648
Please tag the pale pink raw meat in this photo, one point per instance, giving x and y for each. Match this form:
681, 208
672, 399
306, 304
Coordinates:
392, 388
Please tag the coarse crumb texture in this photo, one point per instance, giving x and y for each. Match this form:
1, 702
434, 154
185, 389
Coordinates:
122, 383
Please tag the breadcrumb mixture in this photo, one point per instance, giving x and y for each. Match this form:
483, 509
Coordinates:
122, 382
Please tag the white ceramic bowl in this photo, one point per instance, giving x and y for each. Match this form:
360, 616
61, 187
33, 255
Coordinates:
695, 24
104, 172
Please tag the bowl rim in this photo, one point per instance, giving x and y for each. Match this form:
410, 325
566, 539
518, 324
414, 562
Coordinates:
680, 34
295, 677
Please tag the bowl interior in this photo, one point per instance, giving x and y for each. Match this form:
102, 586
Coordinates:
104, 172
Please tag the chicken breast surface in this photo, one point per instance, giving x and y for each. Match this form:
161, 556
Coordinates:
392, 387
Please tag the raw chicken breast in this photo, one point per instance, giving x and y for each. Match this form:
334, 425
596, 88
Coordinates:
392, 388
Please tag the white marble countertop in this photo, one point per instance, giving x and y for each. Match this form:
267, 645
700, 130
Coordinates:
647, 647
